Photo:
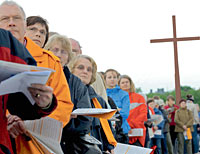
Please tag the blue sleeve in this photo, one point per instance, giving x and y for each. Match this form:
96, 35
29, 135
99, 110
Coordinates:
161, 125
125, 107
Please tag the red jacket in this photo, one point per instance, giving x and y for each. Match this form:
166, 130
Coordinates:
172, 114
137, 116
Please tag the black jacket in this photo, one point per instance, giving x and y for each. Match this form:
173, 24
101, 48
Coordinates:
97, 130
80, 125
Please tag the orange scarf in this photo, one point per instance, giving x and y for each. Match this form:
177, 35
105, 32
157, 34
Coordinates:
105, 125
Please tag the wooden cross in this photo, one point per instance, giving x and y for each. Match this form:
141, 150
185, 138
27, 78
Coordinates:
175, 40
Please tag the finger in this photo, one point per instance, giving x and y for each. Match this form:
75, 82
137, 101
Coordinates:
12, 131
12, 118
41, 87
22, 127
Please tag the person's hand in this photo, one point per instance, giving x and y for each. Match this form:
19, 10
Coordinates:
184, 127
73, 116
15, 126
42, 94
155, 128
112, 151
130, 131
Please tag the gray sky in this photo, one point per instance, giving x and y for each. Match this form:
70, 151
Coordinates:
117, 33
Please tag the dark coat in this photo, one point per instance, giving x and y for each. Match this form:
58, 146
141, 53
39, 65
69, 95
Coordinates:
96, 129
80, 125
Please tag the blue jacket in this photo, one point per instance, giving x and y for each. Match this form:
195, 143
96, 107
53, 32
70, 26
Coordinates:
121, 99
161, 125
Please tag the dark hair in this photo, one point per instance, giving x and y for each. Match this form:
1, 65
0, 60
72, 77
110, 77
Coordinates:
190, 97
150, 100
156, 97
182, 100
37, 19
170, 97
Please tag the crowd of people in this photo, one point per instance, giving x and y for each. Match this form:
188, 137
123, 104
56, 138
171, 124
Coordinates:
76, 83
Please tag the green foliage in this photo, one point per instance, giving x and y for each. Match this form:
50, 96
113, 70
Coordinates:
185, 90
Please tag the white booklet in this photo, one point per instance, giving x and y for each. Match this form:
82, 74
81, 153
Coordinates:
130, 149
136, 132
95, 112
156, 119
18, 77
48, 132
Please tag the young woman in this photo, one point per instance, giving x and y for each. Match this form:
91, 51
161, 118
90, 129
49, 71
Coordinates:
85, 68
138, 110
121, 99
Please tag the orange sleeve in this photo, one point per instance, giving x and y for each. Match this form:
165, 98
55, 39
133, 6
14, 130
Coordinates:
62, 93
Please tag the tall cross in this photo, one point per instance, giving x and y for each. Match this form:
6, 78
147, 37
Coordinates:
175, 40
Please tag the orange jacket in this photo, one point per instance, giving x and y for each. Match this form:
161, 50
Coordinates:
57, 81
137, 116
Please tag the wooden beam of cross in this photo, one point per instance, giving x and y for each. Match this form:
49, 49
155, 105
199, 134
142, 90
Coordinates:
175, 40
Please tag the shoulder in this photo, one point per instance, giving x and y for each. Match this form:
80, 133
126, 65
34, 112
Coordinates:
51, 55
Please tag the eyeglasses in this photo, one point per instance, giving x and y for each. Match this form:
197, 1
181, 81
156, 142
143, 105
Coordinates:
81, 67
56, 50
35, 30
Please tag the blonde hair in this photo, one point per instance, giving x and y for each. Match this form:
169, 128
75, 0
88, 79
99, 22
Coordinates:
72, 64
65, 43
132, 85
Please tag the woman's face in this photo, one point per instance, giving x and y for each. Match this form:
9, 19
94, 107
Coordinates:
152, 104
83, 70
170, 102
60, 52
111, 79
125, 84
183, 104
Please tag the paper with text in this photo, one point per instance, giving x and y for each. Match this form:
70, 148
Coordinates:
130, 149
48, 132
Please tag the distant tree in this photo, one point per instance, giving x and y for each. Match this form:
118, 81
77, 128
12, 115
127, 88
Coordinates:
138, 90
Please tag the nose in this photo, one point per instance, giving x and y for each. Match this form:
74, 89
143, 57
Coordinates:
11, 23
38, 34
58, 54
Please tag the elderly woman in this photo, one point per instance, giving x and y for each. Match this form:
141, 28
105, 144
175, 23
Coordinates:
61, 47
138, 110
85, 68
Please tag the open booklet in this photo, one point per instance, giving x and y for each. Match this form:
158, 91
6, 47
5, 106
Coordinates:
94, 112
18, 77
136, 132
156, 119
130, 149
46, 132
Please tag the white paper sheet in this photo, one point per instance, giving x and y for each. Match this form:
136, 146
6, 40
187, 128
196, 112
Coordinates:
21, 81
91, 111
136, 132
130, 149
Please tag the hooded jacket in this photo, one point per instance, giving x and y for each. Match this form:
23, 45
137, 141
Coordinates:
121, 99
57, 81
137, 116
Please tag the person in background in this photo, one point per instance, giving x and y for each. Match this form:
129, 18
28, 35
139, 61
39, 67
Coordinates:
38, 30
138, 110
171, 108
60, 45
85, 68
158, 129
121, 99
184, 120
192, 107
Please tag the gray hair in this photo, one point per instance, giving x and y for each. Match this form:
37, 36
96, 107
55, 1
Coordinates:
6, 2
